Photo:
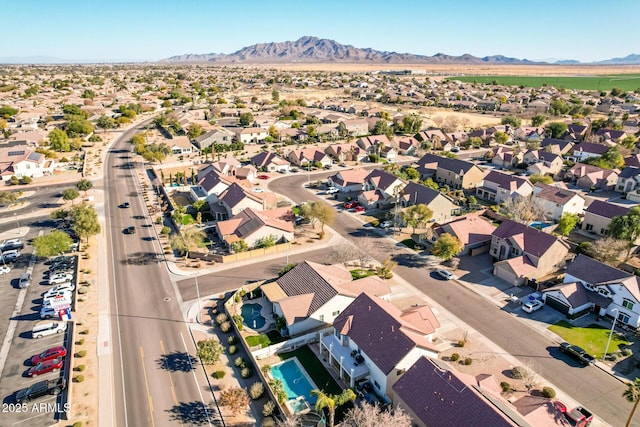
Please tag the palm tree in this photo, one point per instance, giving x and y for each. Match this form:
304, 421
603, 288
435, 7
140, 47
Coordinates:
331, 401
632, 394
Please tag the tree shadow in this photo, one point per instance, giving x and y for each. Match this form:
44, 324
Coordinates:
410, 260
177, 362
192, 413
142, 258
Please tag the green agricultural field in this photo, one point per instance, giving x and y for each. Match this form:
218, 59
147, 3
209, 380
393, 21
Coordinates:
626, 82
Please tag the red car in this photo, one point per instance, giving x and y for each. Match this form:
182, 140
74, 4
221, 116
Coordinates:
263, 177
52, 353
350, 205
45, 367
358, 209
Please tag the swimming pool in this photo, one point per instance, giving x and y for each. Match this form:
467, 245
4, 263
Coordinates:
539, 225
251, 315
296, 382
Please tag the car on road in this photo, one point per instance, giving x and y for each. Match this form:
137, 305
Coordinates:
53, 365
11, 244
258, 190
577, 353
130, 230
294, 170
349, 205
41, 388
125, 205
445, 274
25, 280
60, 278
263, 177
4, 269
49, 354
358, 208
331, 190
531, 306
386, 224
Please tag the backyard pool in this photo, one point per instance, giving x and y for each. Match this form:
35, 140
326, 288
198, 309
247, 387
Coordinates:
297, 384
539, 225
251, 315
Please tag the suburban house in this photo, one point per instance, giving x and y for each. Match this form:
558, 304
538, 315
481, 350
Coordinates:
473, 231
529, 133
576, 132
356, 127
499, 187
628, 180
252, 226
524, 252
349, 180
21, 161
457, 174
585, 150
372, 144
556, 146
588, 176
610, 135
435, 395
310, 296
374, 340
590, 285
308, 156
435, 136
212, 183
236, 198
248, 172
218, 135
270, 162
505, 157
181, 145
380, 189
556, 201
347, 152
598, 216
407, 146
543, 162
389, 153
251, 135
226, 166
442, 205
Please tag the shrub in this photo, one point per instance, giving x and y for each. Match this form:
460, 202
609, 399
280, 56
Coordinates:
505, 386
219, 375
231, 339
237, 319
81, 353
613, 357
518, 372
77, 424
225, 327
461, 343
455, 357
268, 408
221, 318
83, 291
256, 390
80, 341
239, 361
78, 378
246, 373
468, 361
626, 352
80, 368
548, 392
268, 422
84, 332
233, 349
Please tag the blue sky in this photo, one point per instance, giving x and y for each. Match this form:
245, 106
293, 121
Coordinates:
103, 30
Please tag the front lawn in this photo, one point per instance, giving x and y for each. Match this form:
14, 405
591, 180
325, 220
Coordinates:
264, 340
411, 244
593, 339
314, 368
359, 274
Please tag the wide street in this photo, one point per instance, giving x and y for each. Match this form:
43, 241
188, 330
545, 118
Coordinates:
156, 378
590, 386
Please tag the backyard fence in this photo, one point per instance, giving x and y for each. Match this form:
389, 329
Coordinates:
289, 345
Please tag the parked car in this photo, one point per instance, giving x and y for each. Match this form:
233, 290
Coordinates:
41, 388
11, 244
258, 190
332, 190
445, 274
68, 286
25, 280
51, 353
51, 294
349, 205
358, 208
60, 278
531, 306
53, 365
579, 416
5, 269
577, 353
47, 312
263, 177
386, 224
10, 255
125, 205
42, 329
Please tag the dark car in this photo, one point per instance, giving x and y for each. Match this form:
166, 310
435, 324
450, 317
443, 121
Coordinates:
45, 367
52, 353
130, 230
41, 388
577, 353
125, 205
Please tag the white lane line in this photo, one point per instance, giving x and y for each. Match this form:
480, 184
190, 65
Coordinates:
13, 324
193, 371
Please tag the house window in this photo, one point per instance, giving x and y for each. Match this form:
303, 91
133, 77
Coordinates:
589, 227
337, 334
400, 372
495, 251
321, 318
603, 231
623, 317
375, 383
628, 304
335, 313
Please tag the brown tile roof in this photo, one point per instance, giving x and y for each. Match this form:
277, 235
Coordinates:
554, 194
470, 229
350, 177
592, 271
606, 210
531, 240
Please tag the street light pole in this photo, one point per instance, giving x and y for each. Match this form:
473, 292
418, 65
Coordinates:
199, 305
606, 349
17, 222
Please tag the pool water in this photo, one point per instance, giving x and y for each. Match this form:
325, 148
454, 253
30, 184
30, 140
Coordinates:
251, 315
539, 225
296, 382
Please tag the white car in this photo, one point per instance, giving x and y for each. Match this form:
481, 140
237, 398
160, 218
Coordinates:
331, 190
66, 290
68, 286
49, 296
531, 306
4, 269
445, 274
60, 278
385, 224
258, 190
48, 313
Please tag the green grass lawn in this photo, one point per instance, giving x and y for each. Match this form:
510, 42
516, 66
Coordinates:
411, 244
357, 274
264, 340
626, 82
314, 368
593, 339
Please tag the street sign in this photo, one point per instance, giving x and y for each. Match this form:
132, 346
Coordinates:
60, 303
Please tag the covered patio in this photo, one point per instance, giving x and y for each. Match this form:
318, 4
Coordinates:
346, 361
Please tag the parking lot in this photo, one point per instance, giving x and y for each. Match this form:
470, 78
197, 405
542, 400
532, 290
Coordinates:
19, 313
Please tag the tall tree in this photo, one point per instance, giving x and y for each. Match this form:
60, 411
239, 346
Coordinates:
53, 243
417, 215
538, 120
556, 129
566, 223
522, 209
70, 194
447, 246
187, 240
84, 221
59, 140
331, 401
246, 119
626, 227
632, 394
84, 185
321, 212
512, 121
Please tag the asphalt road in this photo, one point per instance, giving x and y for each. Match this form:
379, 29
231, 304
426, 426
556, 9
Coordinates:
590, 386
156, 379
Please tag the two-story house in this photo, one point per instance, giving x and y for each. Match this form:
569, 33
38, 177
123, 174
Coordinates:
586, 150
236, 198
308, 157
380, 189
556, 201
524, 252
457, 174
598, 216
372, 339
628, 180
543, 162
499, 187
270, 162
346, 152
349, 180
218, 135
505, 157
441, 205
588, 176
356, 127
251, 135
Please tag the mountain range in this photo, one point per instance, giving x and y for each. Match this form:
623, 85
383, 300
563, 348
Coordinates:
309, 49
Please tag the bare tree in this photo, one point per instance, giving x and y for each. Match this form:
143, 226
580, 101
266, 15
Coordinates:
289, 422
367, 415
522, 209
343, 253
364, 249
608, 250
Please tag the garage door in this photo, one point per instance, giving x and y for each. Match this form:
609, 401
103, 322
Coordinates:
557, 304
506, 275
